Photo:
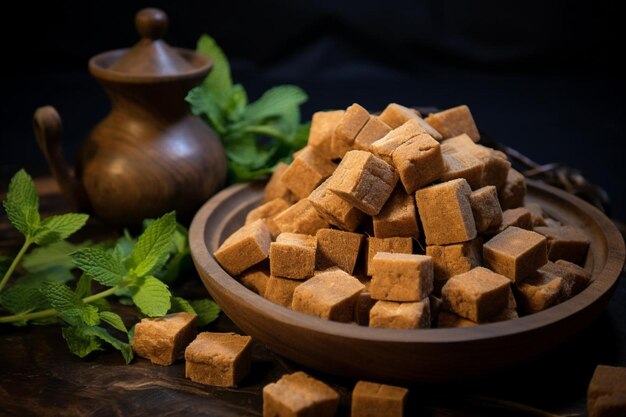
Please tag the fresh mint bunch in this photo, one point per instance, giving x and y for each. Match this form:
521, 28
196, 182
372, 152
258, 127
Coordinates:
256, 136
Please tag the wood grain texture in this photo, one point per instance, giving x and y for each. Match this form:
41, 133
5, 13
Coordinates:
428, 355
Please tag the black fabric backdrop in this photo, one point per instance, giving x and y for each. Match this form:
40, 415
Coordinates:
539, 76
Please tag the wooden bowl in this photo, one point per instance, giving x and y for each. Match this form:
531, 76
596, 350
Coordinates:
428, 355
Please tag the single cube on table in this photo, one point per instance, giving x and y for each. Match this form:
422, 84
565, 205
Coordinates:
323, 124
446, 212
476, 295
302, 218
163, 340
401, 277
337, 248
393, 315
299, 395
334, 209
255, 279
330, 295
389, 244
513, 193
516, 253
280, 290
453, 122
398, 217
373, 130
395, 115
267, 211
275, 188
364, 181
293, 256
377, 400
518, 217
565, 242
455, 259
486, 208
220, 359
308, 170
348, 128
246, 247
606, 394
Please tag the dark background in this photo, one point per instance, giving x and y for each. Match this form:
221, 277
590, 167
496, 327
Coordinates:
539, 76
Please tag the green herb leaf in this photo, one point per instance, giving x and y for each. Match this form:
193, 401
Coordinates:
70, 307
57, 254
105, 336
152, 297
22, 204
56, 228
80, 343
179, 304
206, 310
113, 319
219, 81
100, 265
205, 104
153, 246
275, 102
83, 287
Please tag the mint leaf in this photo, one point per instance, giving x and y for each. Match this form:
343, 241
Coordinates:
113, 319
180, 304
22, 204
60, 227
204, 104
70, 307
57, 254
22, 299
235, 105
102, 334
206, 311
219, 81
83, 287
153, 246
275, 102
100, 265
152, 297
79, 342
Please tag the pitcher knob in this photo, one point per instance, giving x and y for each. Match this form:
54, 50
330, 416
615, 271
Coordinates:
151, 23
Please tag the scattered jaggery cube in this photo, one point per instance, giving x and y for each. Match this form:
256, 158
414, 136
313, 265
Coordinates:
453, 122
373, 130
565, 242
293, 256
308, 170
606, 394
513, 193
348, 128
323, 124
455, 259
518, 217
275, 188
389, 244
393, 315
330, 295
446, 213
462, 165
363, 180
163, 340
486, 208
299, 395
246, 247
267, 211
570, 271
516, 253
496, 166
302, 218
337, 248
334, 209
280, 290
401, 277
377, 400
396, 115
220, 359
476, 295
387, 145
418, 161
540, 291
255, 279
398, 217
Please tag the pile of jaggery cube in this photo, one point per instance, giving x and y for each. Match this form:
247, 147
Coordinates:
403, 222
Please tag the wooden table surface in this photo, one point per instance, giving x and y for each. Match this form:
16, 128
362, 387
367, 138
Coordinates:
40, 377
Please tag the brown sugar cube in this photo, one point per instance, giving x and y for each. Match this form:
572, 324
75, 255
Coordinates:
255, 279
476, 295
351, 123
392, 315
362, 308
496, 166
268, 211
375, 400
308, 170
364, 181
575, 277
515, 253
220, 359
447, 319
540, 291
323, 124
398, 217
513, 192
373, 130
275, 188
387, 145
337, 248
436, 304
299, 395
401, 277
453, 122
486, 208
446, 212
396, 115
565, 242
518, 217
419, 162
455, 259
334, 209
389, 244
462, 165
537, 214
280, 290
293, 256
302, 218
330, 295
246, 247
163, 340
606, 394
